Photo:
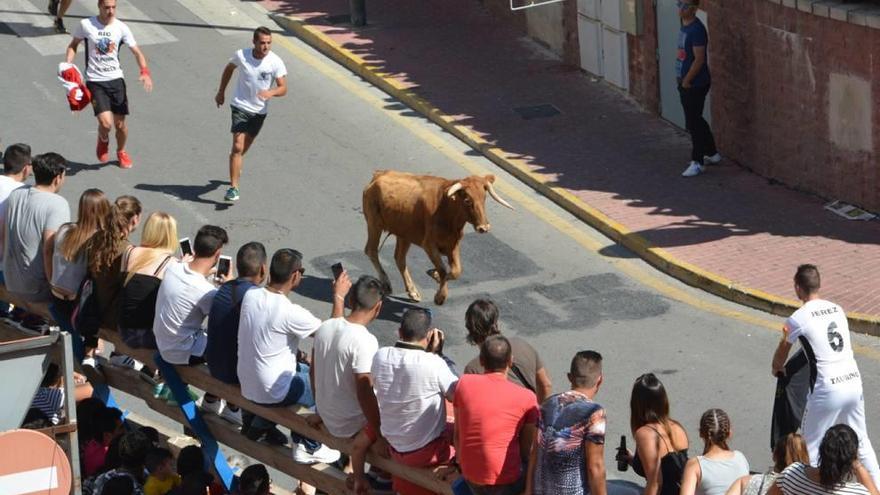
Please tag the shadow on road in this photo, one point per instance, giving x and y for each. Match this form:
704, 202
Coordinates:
320, 289
189, 193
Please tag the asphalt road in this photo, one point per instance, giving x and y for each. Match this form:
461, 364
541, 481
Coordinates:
559, 284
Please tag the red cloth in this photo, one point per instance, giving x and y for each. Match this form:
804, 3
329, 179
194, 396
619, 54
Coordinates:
490, 412
78, 95
438, 451
94, 454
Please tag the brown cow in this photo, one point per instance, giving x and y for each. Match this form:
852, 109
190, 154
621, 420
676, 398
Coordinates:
429, 212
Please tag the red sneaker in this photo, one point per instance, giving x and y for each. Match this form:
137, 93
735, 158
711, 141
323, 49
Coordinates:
124, 159
103, 151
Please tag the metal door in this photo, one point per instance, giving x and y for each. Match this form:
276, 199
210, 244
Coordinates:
668, 25
603, 43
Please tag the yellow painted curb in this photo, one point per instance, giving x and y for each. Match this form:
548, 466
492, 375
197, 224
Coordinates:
657, 257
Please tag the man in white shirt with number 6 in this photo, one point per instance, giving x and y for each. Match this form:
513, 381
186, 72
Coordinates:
259, 69
836, 395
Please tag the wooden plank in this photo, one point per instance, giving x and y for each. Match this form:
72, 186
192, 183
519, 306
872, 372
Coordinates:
198, 376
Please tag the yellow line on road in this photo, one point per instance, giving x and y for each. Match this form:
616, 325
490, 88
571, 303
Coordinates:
630, 268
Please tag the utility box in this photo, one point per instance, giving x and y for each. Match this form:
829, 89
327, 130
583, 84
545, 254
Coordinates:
623, 15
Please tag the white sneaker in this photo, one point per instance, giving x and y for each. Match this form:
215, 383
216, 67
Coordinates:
126, 362
215, 407
693, 169
713, 160
233, 417
324, 454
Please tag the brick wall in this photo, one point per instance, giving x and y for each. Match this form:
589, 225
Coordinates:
795, 97
644, 73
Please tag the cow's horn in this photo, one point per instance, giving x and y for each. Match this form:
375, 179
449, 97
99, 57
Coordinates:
496, 197
454, 189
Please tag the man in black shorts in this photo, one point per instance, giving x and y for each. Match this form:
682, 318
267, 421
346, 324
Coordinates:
104, 34
259, 69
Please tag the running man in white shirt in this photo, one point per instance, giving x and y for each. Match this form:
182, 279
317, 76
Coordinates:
104, 35
836, 395
259, 68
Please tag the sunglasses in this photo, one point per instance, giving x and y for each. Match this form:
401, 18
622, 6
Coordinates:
684, 5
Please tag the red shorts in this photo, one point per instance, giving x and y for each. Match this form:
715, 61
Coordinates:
439, 451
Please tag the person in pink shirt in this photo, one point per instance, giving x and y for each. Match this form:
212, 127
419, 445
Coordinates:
495, 424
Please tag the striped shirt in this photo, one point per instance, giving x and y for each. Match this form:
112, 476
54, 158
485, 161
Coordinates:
794, 481
49, 402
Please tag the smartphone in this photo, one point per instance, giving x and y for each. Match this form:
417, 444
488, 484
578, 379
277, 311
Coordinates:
223, 265
337, 270
186, 246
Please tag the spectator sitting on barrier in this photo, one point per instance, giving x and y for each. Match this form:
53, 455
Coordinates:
162, 478
789, 449
194, 474
527, 369
412, 386
569, 455
69, 259
661, 442
719, 467
342, 357
16, 170
254, 480
839, 471
144, 270
223, 320
106, 425
31, 216
494, 423
106, 249
270, 330
49, 398
133, 448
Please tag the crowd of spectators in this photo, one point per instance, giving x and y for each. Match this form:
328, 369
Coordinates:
498, 425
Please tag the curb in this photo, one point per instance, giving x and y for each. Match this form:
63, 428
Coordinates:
657, 257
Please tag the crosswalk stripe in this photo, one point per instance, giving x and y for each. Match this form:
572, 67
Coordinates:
34, 25
222, 13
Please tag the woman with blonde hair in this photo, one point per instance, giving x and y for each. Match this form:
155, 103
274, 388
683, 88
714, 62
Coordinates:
142, 276
719, 467
69, 259
789, 449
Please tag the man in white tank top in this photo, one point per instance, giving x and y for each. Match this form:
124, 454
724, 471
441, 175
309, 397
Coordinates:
836, 392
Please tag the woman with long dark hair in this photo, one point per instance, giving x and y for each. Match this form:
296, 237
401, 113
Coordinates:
839, 471
661, 442
789, 449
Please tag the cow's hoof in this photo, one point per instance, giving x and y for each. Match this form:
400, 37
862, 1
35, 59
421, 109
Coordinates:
439, 299
415, 296
433, 273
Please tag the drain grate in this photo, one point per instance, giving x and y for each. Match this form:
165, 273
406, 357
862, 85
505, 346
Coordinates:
537, 111
338, 19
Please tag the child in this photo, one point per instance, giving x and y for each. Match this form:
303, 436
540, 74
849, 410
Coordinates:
162, 478
254, 480
106, 426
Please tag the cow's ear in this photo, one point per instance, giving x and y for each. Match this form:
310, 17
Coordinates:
454, 188
489, 178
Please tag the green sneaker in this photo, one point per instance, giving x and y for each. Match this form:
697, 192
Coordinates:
232, 194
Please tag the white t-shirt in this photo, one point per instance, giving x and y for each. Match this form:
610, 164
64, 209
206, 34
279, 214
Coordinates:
102, 45
410, 387
182, 304
341, 349
269, 332
7, 185
824, 327
255, 75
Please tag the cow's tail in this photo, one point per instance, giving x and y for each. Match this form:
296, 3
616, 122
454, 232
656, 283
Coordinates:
383, 240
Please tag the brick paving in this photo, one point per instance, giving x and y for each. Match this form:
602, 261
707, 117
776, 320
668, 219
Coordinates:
604, 149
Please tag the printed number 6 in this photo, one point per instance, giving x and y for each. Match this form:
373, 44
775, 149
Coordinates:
834, 338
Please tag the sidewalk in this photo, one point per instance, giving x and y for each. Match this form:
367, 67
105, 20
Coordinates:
728, 231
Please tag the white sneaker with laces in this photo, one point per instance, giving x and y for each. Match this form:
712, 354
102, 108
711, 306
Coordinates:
215, 407
713, 160
124, 361
693, 169
324, 454
233, 417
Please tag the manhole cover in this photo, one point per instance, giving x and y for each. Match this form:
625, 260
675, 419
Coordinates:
338, 19
537, 111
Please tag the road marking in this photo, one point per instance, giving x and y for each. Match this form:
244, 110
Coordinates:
145, 29
34, 26
430, 135
218, 13
35, 480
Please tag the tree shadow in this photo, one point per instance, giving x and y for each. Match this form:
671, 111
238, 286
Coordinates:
192, 193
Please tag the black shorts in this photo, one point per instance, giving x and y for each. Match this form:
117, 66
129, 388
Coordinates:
246, 122
109, 96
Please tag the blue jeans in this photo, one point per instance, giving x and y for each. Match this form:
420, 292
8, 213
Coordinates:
300, 392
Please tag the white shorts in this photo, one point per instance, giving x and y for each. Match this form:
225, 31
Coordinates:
838, 403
